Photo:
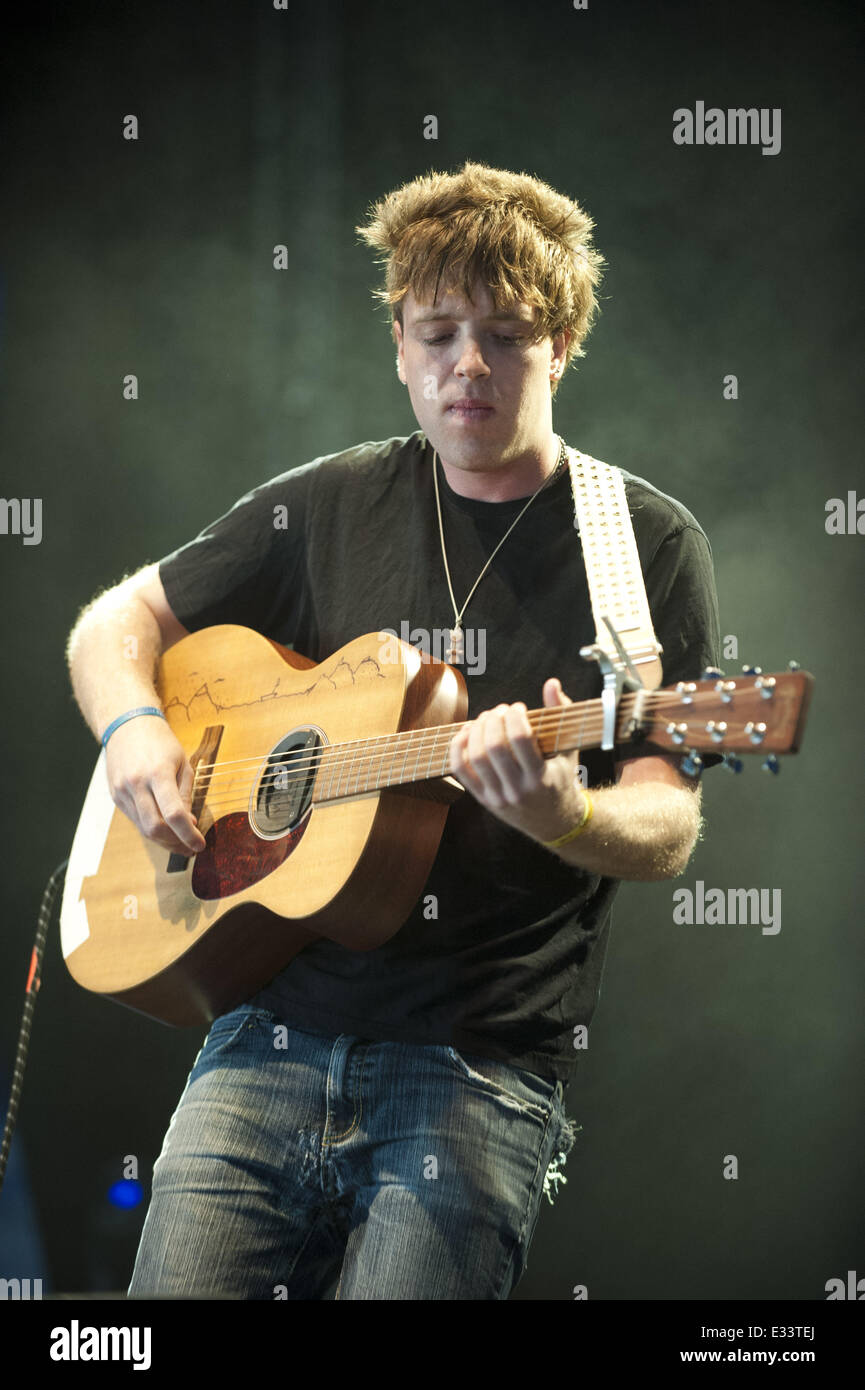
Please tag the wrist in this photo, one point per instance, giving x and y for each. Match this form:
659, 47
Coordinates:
124, 718
583, 820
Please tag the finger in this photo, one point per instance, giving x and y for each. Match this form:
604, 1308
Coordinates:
460, 767
488, 751
526, 754
554, 694
134, 799
518, 762
174, 814
147, 818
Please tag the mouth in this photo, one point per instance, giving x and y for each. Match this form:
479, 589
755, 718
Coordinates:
470, 410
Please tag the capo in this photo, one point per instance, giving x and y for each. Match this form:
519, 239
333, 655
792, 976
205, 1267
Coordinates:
618, 676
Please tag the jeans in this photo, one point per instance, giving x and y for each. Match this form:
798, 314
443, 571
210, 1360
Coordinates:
296, 1162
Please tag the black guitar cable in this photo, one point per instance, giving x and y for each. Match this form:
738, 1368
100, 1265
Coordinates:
34, 980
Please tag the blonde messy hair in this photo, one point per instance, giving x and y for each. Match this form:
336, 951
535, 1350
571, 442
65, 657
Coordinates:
523, 239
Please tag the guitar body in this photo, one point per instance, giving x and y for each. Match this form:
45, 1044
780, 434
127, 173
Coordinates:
183, 940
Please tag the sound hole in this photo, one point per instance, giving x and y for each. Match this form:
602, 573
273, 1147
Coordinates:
283, 794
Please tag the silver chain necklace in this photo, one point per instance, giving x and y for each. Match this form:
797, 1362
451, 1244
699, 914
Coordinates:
456, 649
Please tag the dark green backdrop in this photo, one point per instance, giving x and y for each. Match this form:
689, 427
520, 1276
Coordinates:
260, 127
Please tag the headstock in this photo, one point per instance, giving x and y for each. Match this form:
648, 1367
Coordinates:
749, 713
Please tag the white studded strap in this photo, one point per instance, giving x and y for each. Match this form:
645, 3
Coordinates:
616, 585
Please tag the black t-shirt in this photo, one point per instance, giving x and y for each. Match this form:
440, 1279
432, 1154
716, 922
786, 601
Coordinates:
349, 544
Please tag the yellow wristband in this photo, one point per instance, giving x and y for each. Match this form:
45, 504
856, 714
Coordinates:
577, 830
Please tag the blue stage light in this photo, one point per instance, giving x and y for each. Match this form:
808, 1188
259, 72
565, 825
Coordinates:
125, 1193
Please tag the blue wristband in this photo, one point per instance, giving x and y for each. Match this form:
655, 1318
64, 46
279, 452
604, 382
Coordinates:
130, 714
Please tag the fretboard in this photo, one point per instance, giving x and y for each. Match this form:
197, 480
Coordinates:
394, 760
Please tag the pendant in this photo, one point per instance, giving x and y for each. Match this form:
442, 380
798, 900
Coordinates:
456, 651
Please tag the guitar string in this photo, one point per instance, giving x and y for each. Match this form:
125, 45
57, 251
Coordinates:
363, 773
427, 740
334, 761
541, 720
380, 772
240, 795
418, 741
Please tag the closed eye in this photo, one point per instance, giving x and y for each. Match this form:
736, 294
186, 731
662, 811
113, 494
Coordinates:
502, 337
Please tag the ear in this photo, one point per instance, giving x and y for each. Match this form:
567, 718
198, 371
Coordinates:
400, 352
560, 345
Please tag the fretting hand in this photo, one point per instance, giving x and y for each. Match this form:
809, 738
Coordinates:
496, 757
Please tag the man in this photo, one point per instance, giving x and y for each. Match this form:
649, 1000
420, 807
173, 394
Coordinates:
402, 1143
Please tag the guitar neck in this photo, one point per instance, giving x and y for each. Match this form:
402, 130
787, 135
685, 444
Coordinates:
751, 714
394, 760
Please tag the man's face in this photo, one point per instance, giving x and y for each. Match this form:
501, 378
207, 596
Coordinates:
460, 350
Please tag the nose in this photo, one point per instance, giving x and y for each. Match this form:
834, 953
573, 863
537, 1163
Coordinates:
470, 363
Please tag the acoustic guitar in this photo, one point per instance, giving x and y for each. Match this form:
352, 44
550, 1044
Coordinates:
321, 791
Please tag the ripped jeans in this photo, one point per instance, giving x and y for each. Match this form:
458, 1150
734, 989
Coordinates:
298, 1166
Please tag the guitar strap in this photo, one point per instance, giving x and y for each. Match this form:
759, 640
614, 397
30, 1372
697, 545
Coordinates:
616, 586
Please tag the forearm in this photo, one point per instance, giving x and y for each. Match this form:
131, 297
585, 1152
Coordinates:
643, 833
112, 654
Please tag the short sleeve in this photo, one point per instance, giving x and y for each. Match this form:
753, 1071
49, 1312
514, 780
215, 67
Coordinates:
244, 567
683, 601
684, 604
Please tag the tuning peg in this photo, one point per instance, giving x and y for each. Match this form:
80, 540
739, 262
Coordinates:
793, 666
732, 763
693, 764
771, 764
712, 673
753, 670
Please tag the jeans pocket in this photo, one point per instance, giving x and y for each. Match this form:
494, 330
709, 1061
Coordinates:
232, 1027
531, 1093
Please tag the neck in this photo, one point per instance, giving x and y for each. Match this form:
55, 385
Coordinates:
367, 765
493, 480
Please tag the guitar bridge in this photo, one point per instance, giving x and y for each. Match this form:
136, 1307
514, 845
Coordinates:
208, 748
